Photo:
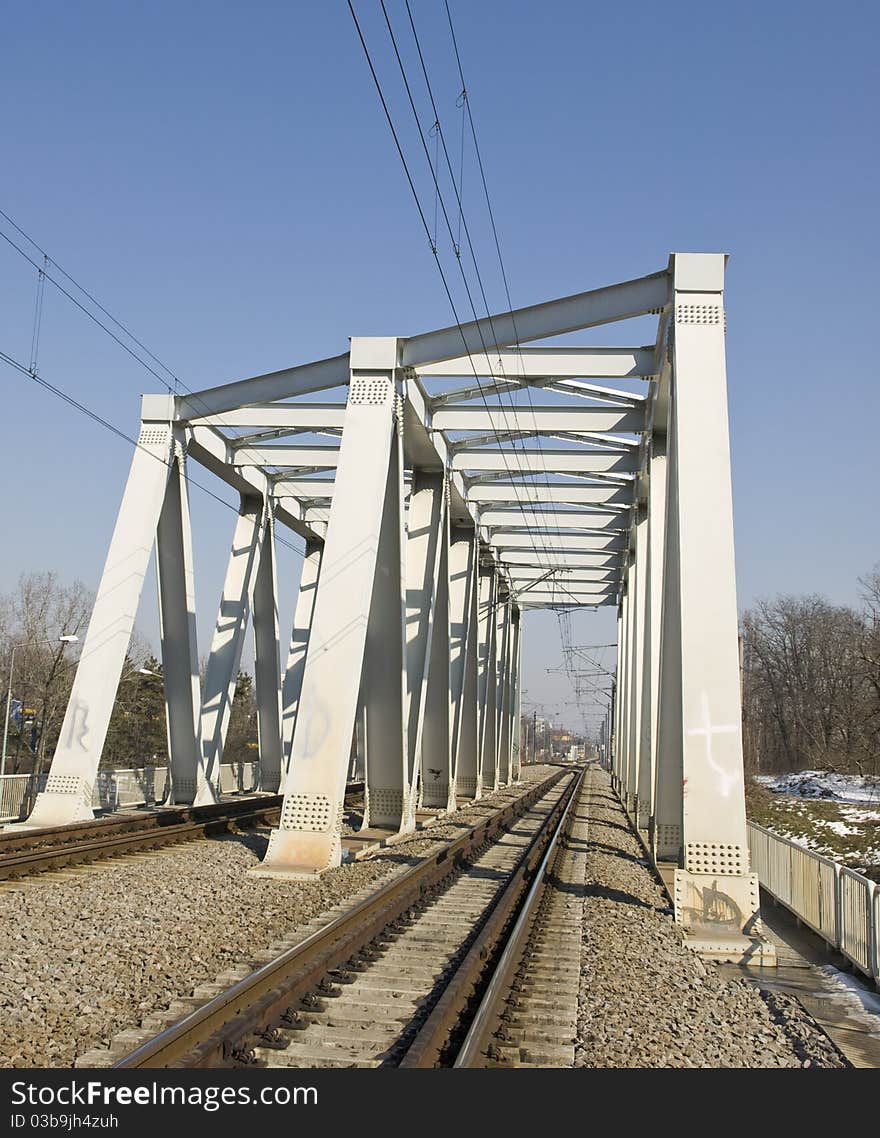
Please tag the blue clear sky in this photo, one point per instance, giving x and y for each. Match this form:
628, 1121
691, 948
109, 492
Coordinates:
221, 176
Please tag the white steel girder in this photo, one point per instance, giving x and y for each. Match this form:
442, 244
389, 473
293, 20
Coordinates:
503, 629
357, 641
463, 632
299, 646
177, 623
545, 363
487, 625
427, 640
540, 461
68, 794
408, 621
233, 614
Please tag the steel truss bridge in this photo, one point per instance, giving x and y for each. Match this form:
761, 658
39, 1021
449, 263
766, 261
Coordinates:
444, 483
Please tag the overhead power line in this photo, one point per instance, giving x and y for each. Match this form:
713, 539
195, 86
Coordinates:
466, 107
65, 397
439, 197
31, 371
59, 393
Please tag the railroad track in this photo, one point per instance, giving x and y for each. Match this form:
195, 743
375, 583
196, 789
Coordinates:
528, 1014
397, 980
23, 852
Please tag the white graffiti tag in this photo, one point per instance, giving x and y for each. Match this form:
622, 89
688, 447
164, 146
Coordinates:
727, 779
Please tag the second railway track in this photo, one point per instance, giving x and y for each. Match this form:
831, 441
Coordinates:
27, 852
23, 852
398, 980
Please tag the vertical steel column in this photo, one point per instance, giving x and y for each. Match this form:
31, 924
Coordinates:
390, 797
627, 724
177, 624
68, 794
488, 592
267, 661
669, 782
503, 737
221, 676
516, 697
299, 646
623, 691
463, 603
716, 897
654, 610
640, 569
617, 692
633, 594
427, 635
357, 647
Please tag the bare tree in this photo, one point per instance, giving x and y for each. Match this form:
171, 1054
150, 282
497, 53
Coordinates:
869, 651
811, 683
32, 618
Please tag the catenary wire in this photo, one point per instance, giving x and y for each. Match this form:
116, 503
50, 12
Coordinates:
448, 222
61, 394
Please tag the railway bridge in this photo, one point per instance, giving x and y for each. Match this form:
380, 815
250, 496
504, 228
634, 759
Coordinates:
445, 484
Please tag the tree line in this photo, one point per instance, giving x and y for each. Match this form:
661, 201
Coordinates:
33, 617
810, 675
811, 683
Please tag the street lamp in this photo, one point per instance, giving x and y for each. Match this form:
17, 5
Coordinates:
68, 638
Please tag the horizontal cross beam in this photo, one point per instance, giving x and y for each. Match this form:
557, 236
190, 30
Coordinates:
624, 420
548, 461
556, 559
520, 576
322, 375
546, 363
301, 457
539, 539
540, 321
555, 519
293, 416
570, 493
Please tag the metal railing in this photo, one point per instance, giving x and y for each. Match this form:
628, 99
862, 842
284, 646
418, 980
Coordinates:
117, 789
842, 906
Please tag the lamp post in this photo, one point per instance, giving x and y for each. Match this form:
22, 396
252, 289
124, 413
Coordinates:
67, 639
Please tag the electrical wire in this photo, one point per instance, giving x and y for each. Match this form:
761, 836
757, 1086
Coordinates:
452, 238
528, 487
177, 381
59, 393
518, 346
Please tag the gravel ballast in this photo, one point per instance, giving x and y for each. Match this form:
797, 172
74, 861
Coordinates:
92, 951
646, 1000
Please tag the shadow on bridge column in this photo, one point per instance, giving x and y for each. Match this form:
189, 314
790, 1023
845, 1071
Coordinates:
700, 765
697, 831
356, 648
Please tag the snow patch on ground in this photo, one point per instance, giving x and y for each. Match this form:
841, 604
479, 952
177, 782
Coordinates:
839, 828
856, 789
855, 815
861, 1003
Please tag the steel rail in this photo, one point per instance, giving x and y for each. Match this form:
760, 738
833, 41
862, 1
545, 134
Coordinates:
491, 1006
212, 1035
15, 841
77, 853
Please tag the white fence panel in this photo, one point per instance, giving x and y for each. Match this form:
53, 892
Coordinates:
118, 789
876, 916
839, 904
858, 932
13, 793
